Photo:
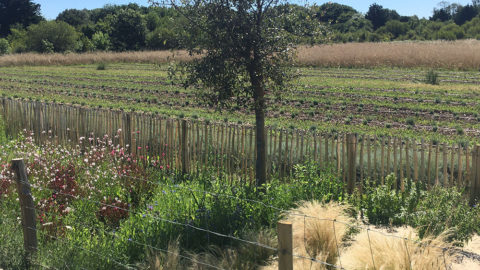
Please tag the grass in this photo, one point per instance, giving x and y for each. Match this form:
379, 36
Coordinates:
35, 59
315, 238
462, 55
430, 54
396, 253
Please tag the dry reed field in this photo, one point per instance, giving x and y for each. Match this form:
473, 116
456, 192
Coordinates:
463, 54
35, 59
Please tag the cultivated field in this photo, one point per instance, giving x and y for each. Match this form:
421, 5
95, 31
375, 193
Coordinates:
381, 101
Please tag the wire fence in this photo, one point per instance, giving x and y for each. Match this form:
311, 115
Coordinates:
278, 250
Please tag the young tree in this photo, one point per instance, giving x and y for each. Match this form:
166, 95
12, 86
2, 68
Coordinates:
244, 54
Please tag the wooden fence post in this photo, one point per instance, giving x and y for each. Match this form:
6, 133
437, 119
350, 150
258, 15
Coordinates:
27, 207
128, 132
351, 158
285, 245
184, 147
475, 176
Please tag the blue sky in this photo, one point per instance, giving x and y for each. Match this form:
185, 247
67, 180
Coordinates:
422, 8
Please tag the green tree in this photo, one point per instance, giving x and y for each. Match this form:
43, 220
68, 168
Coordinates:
162, 38
101, 41
152, 20
74, 17
465, 14
4, 46
396, 28
128, 30
441, 14
51, 36
12, 12
450, 32
472, 28
245, 55
334, 13
379, 15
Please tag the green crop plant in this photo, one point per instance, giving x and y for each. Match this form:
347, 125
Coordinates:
431, 77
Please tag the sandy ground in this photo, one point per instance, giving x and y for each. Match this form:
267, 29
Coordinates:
465, 262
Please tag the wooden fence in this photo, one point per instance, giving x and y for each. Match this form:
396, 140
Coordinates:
192, 145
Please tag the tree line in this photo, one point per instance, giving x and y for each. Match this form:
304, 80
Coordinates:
134, 27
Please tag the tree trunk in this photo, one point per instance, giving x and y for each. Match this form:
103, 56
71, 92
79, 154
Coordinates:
259, 97
261, 163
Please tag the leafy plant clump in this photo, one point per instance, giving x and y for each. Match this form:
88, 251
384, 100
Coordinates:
101, 66
387, 206
432, 77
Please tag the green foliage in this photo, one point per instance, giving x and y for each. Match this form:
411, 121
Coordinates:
84, 44
431, 77
18, 12
152, 20
74, 17
431, 212
101, 66
162, 38
127, 30
446, 209
11, 238
450, 32
379, 15
4, 46
465, 13
334, 13
46, 46
51, 36
18, 40
101, 41
396, 28
387, 206
410, 121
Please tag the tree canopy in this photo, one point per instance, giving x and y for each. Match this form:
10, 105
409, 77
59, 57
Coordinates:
23, 12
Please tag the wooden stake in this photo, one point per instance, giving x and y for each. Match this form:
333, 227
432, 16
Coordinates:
27, 207
351, 154
285, 246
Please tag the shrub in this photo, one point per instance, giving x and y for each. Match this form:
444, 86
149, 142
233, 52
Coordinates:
384, 205
444, 209
51, 36
460, 131
431, 77
4, 46
410, 121
101, 66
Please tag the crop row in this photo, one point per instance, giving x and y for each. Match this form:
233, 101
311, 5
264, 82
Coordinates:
373, 101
